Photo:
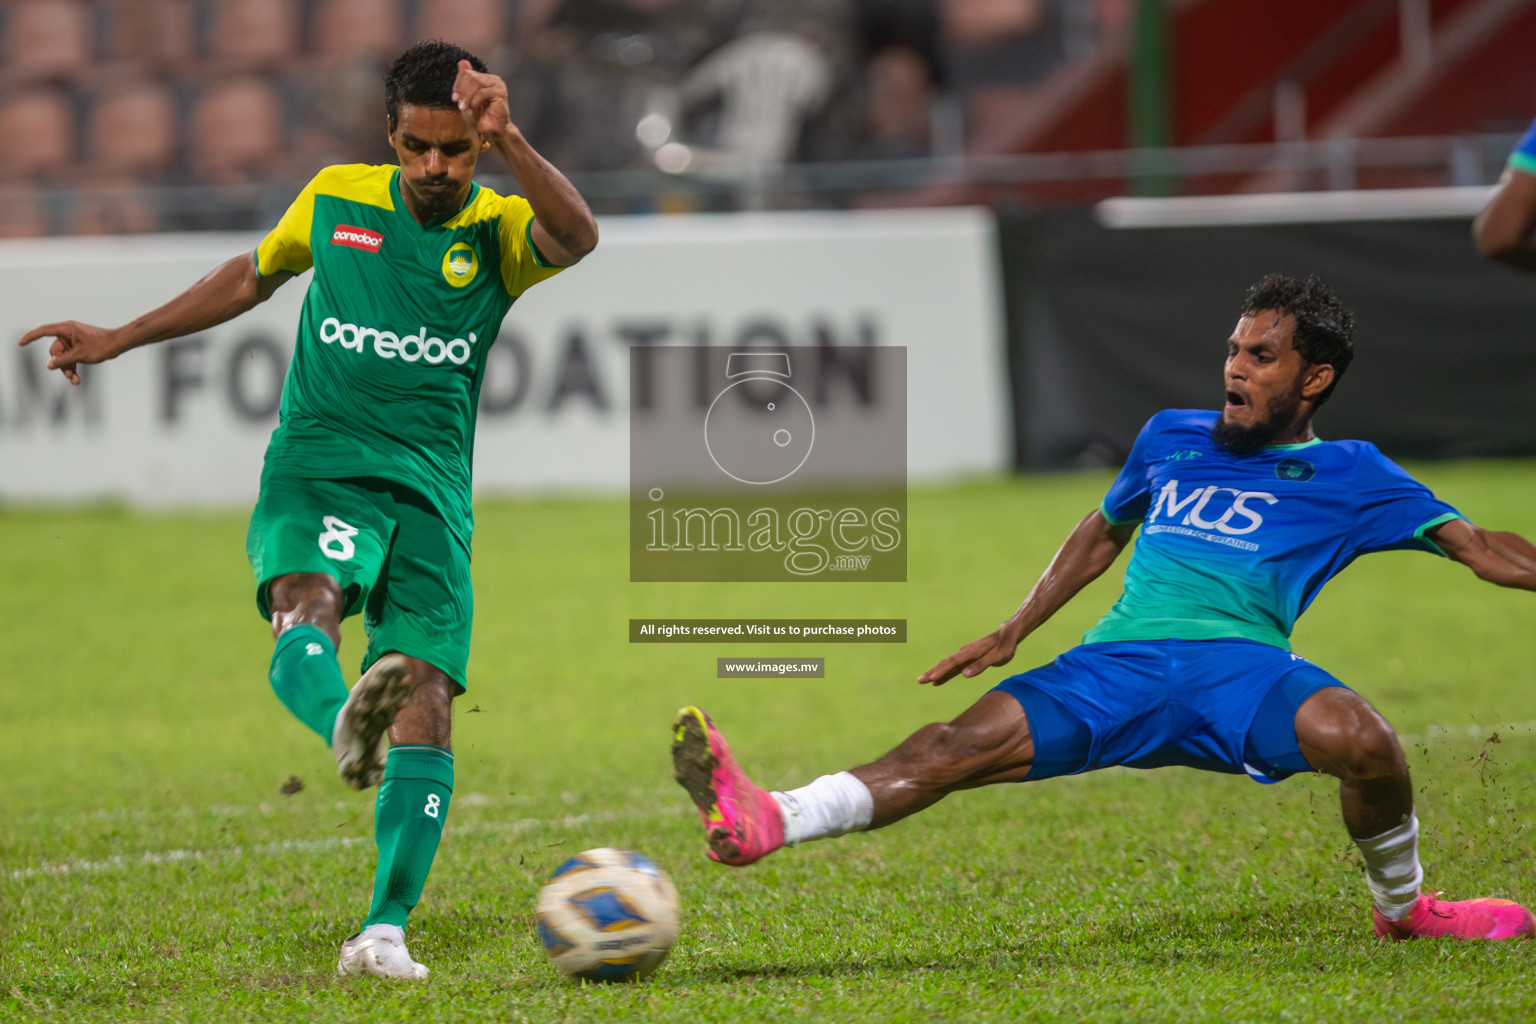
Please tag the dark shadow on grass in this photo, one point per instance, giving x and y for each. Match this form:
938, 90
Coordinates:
1258, 923
1169, 935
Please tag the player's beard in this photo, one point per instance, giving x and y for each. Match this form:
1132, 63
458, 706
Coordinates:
440, 205
1280, 415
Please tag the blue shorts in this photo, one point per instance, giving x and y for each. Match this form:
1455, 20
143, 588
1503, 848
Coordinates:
1221, 705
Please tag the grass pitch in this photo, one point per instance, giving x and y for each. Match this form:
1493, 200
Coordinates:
152, 868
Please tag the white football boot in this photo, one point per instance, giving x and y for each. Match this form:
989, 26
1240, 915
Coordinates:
379, 950
360, 737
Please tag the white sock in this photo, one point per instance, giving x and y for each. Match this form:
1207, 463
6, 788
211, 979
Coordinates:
830, 806
1392, 868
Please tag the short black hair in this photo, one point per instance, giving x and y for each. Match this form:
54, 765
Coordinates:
1325, 330
423, 76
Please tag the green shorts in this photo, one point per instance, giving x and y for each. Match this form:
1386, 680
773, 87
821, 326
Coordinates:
395, 558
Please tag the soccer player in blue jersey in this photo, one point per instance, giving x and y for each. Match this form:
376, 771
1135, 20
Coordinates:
1506, 228
1244, 515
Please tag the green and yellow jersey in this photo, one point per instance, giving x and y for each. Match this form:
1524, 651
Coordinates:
394, 332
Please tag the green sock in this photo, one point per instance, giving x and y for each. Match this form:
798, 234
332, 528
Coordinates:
407, 823
307, 679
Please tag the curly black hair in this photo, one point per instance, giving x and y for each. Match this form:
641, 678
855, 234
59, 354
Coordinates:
1325, 330
423, 76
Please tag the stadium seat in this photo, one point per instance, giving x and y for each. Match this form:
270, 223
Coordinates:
988, 23
477, 25
766, 84
999, 53
898, 119
132, 130
255, 32
111, 206
38, 125
353, 29
156, 33
237, 130
23, 212
47, 38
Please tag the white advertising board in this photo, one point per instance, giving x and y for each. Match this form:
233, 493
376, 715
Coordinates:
186, 422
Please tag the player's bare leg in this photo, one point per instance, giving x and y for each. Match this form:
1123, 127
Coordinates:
428, 716
989, 742
1340, 734
408, 821
306, 599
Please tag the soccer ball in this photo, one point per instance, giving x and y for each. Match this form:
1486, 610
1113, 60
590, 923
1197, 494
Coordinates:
607, 915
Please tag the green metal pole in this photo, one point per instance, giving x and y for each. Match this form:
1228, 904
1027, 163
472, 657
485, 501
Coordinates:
1151, 120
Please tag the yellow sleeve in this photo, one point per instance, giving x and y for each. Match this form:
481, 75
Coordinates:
522, 265
285, 250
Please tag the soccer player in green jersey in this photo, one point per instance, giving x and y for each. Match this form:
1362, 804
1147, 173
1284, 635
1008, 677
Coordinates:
365, 495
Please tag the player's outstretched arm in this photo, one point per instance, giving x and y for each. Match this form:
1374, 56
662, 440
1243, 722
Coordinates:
563, 226
1089, 549
1507, 559
1505, 230
229, 290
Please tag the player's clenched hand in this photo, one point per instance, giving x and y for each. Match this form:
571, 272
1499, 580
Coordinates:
74, 344
483, 99
996, 648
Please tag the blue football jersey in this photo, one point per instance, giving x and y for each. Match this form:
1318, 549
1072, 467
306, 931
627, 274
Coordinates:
1524, 156
1237, 546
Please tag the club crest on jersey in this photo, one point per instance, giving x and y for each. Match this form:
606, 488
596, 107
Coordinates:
357, 238
460, 264
1295, 469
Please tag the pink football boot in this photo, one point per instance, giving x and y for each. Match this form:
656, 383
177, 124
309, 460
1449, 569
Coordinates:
1484, 918
742, 821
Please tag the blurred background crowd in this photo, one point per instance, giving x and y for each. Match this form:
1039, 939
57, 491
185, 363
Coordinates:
138, 115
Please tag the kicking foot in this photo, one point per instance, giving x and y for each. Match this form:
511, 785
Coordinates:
360, 737
379, 950
1484, 918
741, 820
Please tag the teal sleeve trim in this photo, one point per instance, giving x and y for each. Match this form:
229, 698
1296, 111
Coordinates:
538, 257
1523, 162
1112, 521
1421, 532
420, 761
